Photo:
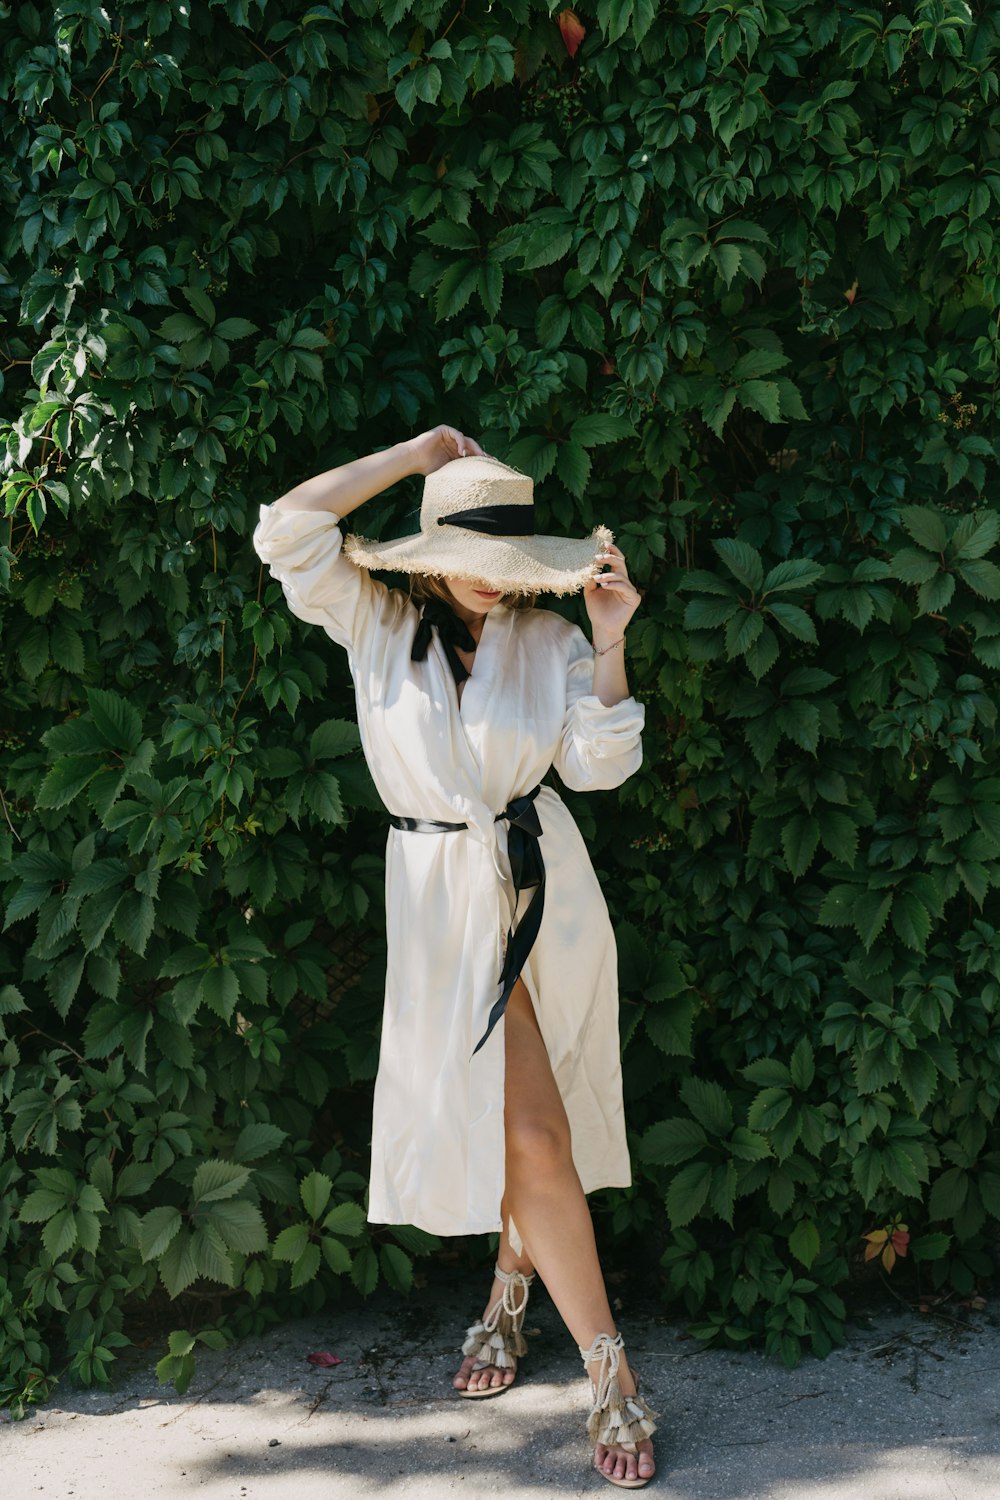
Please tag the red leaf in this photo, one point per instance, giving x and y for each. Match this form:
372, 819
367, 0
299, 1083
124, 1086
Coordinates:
324, 1360
573, 30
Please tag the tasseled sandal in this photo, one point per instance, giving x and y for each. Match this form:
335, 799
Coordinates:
616, 1418
497, 1339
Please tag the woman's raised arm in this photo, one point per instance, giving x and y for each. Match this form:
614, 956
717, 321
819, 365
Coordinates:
343, 489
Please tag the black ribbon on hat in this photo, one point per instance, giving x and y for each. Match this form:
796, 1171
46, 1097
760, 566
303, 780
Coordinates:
494, 520
439, 616
527, 870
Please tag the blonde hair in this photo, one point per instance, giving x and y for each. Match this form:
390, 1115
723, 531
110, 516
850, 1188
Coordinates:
432, 586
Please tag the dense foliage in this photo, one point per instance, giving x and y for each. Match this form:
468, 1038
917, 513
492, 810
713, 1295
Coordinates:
722, 274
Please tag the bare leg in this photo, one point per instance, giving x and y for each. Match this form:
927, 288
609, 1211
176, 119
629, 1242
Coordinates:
507, 1261
550, 1209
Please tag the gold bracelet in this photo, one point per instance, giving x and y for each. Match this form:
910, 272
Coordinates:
600, 650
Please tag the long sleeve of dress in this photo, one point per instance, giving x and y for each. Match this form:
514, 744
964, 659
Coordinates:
600, 746
302, 549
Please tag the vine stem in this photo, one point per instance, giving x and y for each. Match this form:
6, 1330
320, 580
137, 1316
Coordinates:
958, 1322
253, 662
38, 1032
107, 72
3, 805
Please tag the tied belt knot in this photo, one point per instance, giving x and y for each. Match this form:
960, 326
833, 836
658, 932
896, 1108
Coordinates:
527, 870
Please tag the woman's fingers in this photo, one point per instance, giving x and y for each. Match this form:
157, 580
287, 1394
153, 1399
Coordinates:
615, 561
458, 444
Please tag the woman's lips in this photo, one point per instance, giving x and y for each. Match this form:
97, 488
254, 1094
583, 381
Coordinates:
487, 593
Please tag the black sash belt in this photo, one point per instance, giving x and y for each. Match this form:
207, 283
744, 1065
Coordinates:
527, 869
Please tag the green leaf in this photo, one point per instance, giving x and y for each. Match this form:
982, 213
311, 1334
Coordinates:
933, 1246
599, 427
742, 631
397, 1267
975, 535
925, 526
322, 796
912, 920
116, 721
66, 781
742, 560
804, 1241
793, 574
291, 1243
768, 1109
948, 1194
871, 912
761, 396
983, 578
839, 835
757, 362
218, 1179
671, 1023
240, 1226
334, 738
935, 594
709, 1103
11, 1000
799, 839
919, 1077
707, 614
157, 1230
747, 1145
336, 1255
257, 1140
315, 1191
911, 566
671, 1142
718, 407
768, 1072
220, 990
794, 622
60, 1234
550, 243
552, 322
803, 1064
345, 1218
688, 1192
364, 1270
573, 468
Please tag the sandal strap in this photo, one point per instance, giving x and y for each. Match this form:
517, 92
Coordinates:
515, 1284
614, 1417
497, 1339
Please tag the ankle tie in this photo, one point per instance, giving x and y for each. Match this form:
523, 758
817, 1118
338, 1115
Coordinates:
609, 1351
515, 1284
615, 1417
497, 1339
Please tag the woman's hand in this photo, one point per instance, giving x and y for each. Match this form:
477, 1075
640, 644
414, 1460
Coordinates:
433, 449
611, 598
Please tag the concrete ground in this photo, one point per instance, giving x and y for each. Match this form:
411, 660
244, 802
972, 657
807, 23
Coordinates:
908, 1410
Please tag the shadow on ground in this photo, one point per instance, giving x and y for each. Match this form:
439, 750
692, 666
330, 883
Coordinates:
908, 1410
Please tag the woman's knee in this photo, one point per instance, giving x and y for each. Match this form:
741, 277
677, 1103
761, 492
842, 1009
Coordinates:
538, 1142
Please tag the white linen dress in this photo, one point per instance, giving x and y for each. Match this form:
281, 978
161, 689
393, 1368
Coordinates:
438, 1126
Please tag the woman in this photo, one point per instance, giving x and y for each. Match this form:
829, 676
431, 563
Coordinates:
494, 914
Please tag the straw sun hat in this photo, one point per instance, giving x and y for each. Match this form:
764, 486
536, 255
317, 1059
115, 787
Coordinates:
477, 522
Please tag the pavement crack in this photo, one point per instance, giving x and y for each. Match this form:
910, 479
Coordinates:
805, 1396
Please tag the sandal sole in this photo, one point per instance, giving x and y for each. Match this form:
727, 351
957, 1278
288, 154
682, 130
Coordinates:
489, 1390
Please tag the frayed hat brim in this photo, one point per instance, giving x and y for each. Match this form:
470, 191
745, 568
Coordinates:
516, 565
